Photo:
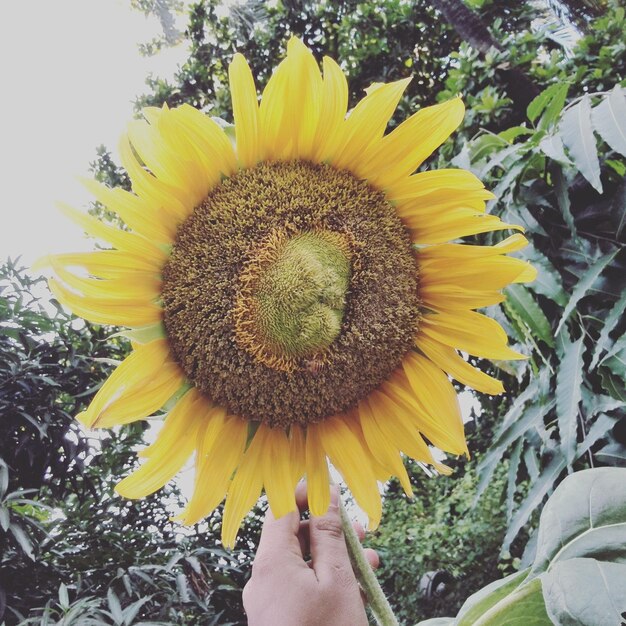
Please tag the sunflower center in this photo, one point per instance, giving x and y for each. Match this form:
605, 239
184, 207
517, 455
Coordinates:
291, 293
293, 296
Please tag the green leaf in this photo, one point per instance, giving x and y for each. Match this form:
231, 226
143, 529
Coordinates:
584, 284
530, 312
548, 282
611, 320
524, 606
511, 484
64, 600
481, 601
569, 380
539, 103
585, 591
614, 385
612, 454
536, 494
552, 147
609, 119
23, 540
437, 621
585, 516
563, 200
115, 607
554, 108
577, 134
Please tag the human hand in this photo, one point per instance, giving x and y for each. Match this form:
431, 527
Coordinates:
285, 590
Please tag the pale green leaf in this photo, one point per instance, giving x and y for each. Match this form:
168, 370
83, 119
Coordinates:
569, 380
530, 312
611, 320
585, 591
609, 119
577, 134
612, 454
584, 284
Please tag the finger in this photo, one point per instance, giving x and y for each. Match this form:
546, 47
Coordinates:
372, 557
279, 539
328, 547
303, 538
301, 496
359, 530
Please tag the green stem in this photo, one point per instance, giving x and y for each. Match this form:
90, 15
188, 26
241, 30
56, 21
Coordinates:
378, 604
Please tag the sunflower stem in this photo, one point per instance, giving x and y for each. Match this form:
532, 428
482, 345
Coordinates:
378, 604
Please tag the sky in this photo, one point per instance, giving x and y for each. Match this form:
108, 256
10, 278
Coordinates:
69, 70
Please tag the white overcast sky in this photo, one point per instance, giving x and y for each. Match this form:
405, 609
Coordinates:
69, 72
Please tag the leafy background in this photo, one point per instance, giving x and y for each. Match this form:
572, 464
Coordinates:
544, 82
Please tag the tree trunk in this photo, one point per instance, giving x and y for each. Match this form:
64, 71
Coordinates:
519, 87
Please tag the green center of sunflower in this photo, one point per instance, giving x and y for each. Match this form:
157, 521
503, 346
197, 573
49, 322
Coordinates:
292, 297
291, 293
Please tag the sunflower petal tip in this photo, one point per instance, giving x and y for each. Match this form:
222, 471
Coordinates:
41, 263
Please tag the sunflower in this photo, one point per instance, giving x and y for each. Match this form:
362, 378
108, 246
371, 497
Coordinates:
290, 296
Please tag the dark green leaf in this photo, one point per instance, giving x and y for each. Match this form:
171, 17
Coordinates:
568, 396
530, 312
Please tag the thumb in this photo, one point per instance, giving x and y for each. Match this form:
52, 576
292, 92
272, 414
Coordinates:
329, 554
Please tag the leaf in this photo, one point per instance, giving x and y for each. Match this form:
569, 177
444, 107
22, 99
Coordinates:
577, 134
524, 606
64, 600
437, 621
539, 103
585, 283
611, 320
569, 380
536, 494
552, 147
115, 607
554, 108
130, 612
563, 200
5, 518
585, 516
609, 119
612, 454
481, 601
512, 478
23, 540
530, 312
585, 591
548, 282
614, 385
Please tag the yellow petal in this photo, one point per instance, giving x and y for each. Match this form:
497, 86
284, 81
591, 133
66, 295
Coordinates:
218, 458
245, 111
244, 489
392, 419
402, 151
137, 368
140, 286
470, 332
302, 108
120, 239
347, 455
156, 225
318, 480
452, 297
274, 134
143, 400
457, 226
183, 421
161, 197
116, 311
208, 137
334, 105
383, 450
451, 362
366, 124
434, 393
104, 263
441, 205
467, 252
277, 472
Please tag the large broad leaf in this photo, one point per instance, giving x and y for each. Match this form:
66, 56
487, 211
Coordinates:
584, 285
480, 602
583, 517
577, 134
569, 380
609, 120
524, 606
530, 312
586, 591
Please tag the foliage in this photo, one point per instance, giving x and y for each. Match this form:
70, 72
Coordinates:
440, 535
580, 565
